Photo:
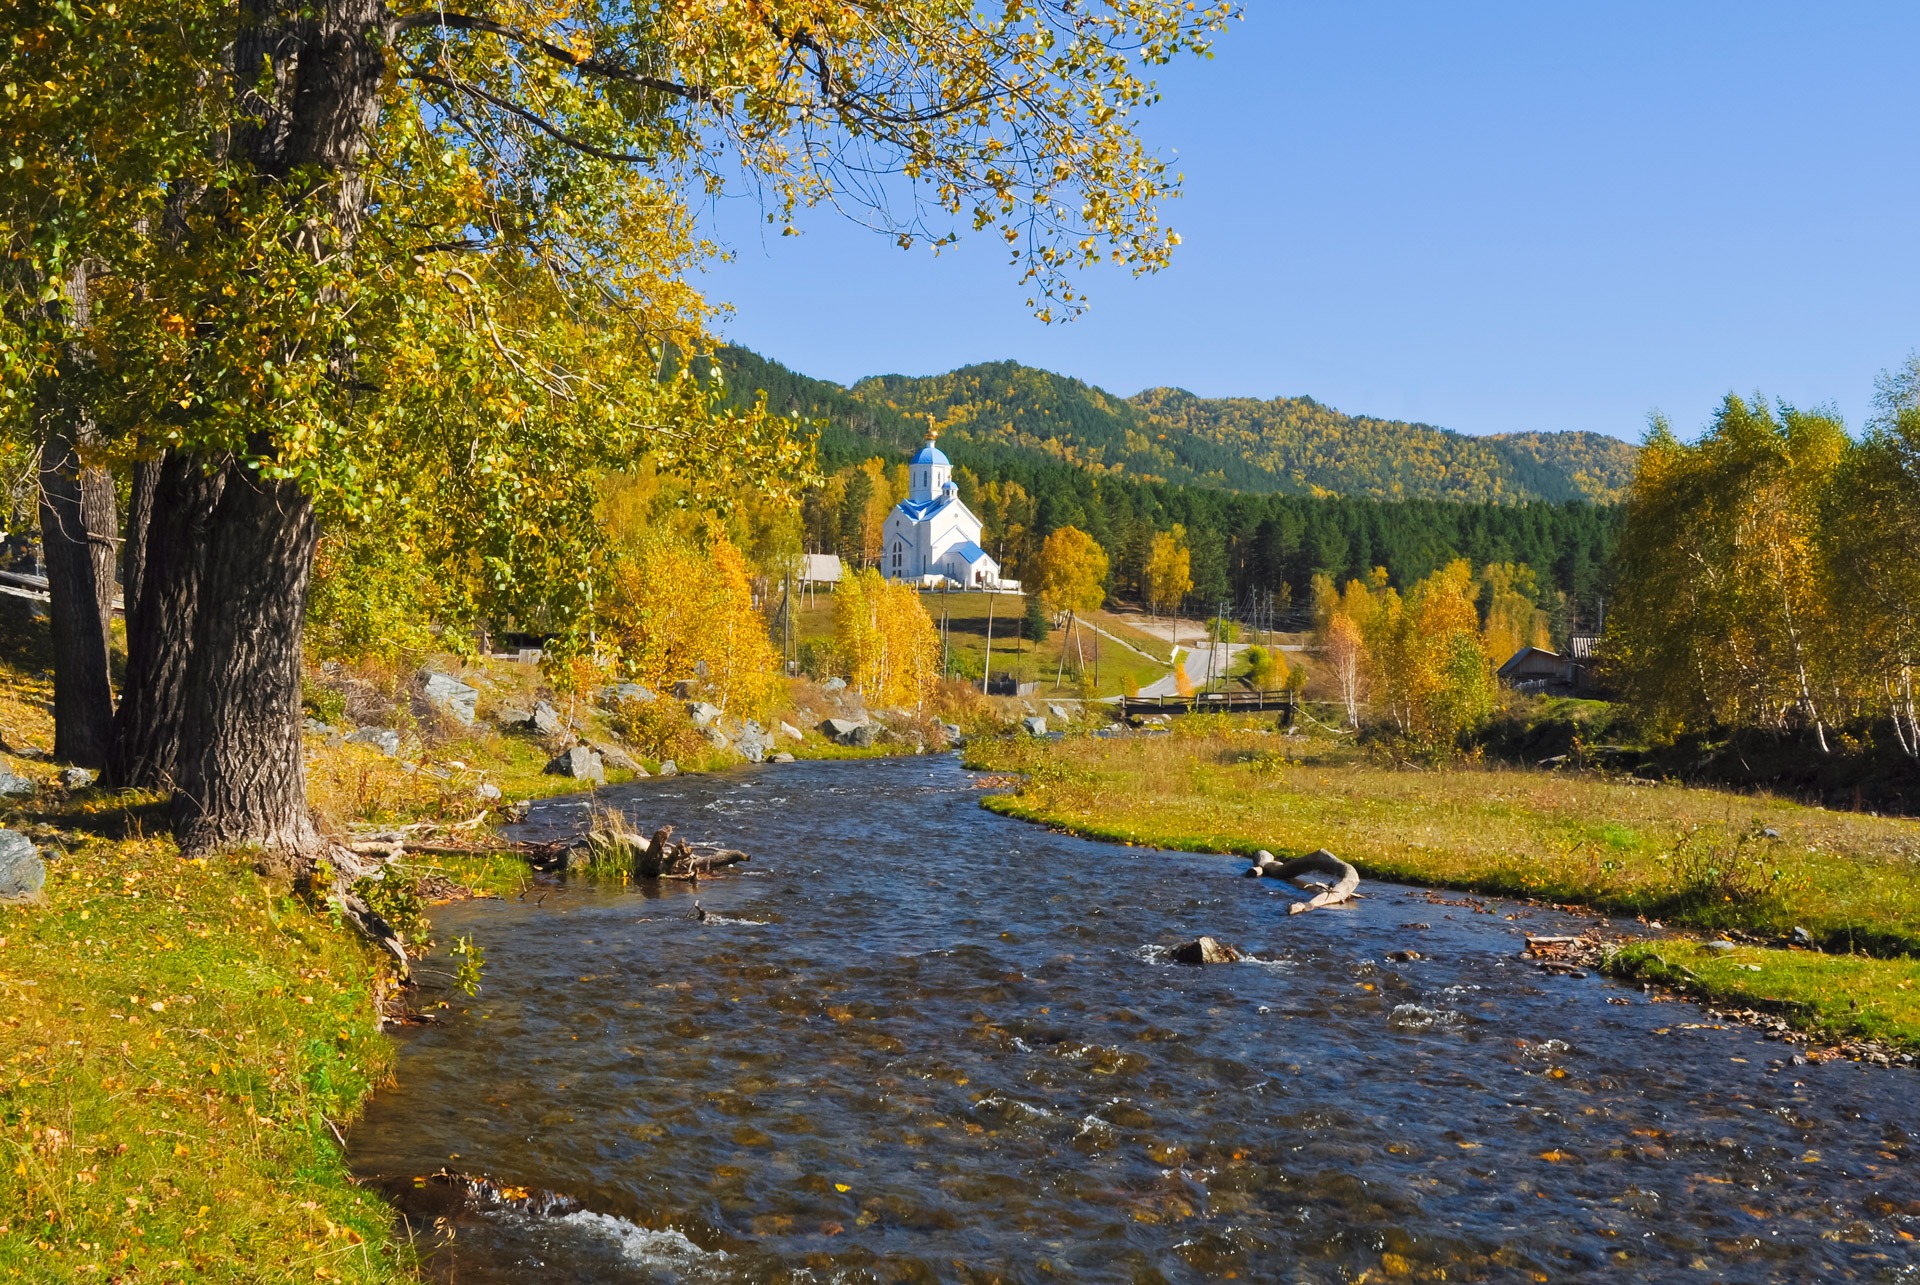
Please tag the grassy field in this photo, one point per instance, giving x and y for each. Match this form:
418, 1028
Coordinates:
966, 617
1698, 859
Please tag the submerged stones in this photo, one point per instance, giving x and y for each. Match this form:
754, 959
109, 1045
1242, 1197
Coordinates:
22, 872
1205, 950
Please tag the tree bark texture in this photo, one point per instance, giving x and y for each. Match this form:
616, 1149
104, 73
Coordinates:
77, 529
133, 548
239, 776
160, 628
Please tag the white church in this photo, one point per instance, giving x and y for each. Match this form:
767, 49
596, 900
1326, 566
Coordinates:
931, 538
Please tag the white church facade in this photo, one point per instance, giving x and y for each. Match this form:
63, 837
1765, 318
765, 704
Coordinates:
932, 538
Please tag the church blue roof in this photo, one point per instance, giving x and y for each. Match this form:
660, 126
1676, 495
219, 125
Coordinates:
921, 510
970, 553
931, 454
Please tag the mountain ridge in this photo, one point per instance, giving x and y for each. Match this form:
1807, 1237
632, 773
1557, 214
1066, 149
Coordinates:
1282, 445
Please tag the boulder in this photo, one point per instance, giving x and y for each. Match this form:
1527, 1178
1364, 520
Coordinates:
845, 731
451, 697
781, 757
669, 768
716, 738
789, 731
546, 720
77, 778
508, 716
835, 684
1204, 950
753, 742
703, 714
22, 872
580, 763
611, 696
1060, 713
1033, 725
951, 731
14, 786
487, 790
616, 758
384, 739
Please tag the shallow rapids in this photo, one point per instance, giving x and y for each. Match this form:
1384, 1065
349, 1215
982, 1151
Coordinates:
917, 1041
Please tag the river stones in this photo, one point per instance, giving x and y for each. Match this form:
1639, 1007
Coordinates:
703, 714
1204, 950
580, 763
616, 758
546, 720
845, 731
791, 732
22, 872
1034, 725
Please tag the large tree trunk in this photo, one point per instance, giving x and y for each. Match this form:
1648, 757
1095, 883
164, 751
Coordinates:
161, 624
220, 712
77, 528
239, 776
133, 549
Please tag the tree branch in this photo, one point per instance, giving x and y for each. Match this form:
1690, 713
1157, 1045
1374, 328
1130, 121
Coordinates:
593, 66
532, 118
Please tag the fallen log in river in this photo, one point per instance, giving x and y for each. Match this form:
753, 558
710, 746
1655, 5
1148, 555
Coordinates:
1317, 862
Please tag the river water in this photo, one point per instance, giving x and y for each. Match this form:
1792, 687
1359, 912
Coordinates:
917, 1041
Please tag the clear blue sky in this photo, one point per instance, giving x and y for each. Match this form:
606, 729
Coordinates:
1490, 217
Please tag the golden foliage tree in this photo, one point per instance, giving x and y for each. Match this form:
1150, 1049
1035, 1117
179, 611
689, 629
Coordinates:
1169, 571
885, 638
681, 608
1073, 572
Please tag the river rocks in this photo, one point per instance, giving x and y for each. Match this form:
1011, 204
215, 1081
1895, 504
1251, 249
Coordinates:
1060, 713
703, 714
77, 778
716, 738
845, 731
781, 757
451, 697
1721, 947
1034, 725
1801, 937
789, 731
384, 739
669, 768
753, 742
616, 758
22, 872
15, 786
834, 685
951, 731
1204, 950
580, 763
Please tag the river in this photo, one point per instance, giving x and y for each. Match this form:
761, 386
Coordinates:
917, 1041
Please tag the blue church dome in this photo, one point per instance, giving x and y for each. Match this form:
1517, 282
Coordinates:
931, 454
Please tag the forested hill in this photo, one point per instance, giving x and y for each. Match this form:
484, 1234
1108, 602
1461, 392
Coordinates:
1001, 411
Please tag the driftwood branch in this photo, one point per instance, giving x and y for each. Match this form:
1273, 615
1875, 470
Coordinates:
1318, 862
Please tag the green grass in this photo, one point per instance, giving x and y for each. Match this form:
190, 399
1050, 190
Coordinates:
178, 1043
1838, 996
1683, 857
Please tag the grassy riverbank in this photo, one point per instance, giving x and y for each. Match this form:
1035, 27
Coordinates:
1707, 860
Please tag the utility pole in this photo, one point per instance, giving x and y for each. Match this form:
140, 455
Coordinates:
986, 673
